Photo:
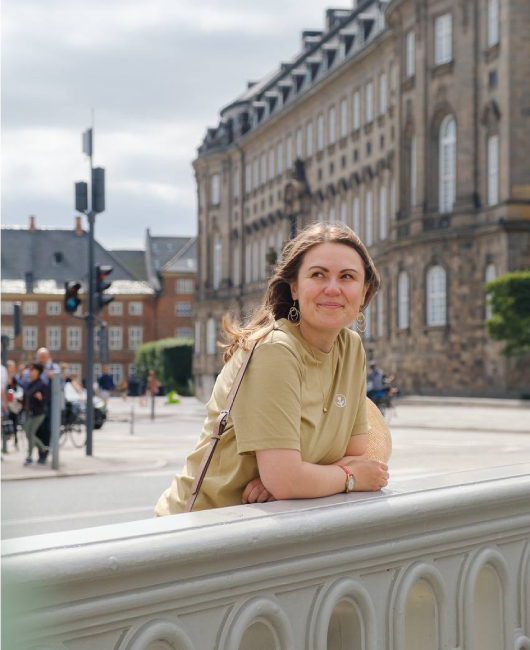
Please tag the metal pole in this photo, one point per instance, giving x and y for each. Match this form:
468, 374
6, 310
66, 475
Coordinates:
132, 420
89, 374
152, 406
55, 419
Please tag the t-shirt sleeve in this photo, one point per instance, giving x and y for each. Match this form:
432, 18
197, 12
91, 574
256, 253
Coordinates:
361, 424
267, 411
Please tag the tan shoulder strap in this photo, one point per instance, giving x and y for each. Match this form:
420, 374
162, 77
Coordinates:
218, 430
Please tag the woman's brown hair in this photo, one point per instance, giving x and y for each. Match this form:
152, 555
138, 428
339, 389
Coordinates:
278, 299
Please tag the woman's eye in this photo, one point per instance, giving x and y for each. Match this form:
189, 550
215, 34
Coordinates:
317, 274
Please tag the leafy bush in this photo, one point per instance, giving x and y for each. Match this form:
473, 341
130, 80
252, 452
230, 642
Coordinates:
171, 360
509, 296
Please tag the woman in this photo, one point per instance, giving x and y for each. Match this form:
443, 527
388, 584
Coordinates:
298, 427
36, 400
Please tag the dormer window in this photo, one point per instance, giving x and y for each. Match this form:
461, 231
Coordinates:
57, 258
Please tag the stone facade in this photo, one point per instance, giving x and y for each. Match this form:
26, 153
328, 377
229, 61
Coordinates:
410, 122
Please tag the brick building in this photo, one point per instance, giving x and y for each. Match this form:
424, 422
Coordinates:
410, 122
35, 264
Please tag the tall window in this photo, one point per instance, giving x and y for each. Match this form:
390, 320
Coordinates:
248, 262
30, 308
331, 216
489, 275
9, 331
299, 153
332, 125
412, 172
410, 56
369, 107
263, 258
383, 217
211, 336
356, 110
53, 338
343, 212
184, 285
236, 266
368, 220
183, 333
271, 164
255, 260
237, 182
436, 296
289, 152
392, 199
393, 83
368, 315
493, 170
382, 94
356, 216
53, 308
447, 147
29, 338
279, 157
380, 313
309, 139
8, 308
442, 39
73, 338
136, 337
183, 308
215, 189
248, 178
263, 169
343, 118
403, 301
320, 132
197, 337
493, 22
217, 260
279, 243
116, 370
115, 338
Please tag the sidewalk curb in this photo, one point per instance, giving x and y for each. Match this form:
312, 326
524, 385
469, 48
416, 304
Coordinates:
65, 473
483, 402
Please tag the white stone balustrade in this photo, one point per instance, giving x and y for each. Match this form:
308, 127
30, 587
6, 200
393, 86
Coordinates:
438, 563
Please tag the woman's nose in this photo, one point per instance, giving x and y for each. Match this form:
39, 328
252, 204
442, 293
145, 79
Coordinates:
332, 287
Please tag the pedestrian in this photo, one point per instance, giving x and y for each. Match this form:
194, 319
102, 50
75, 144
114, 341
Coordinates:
14, 390
299, 425
49, 369
105, 384
123, 389
36, 401
152, 383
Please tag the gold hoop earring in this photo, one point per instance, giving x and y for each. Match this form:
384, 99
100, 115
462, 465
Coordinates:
360, 322
294, 314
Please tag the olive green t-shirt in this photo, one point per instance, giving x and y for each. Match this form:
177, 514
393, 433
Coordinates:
279, 406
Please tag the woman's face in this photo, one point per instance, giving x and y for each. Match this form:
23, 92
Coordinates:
330, 286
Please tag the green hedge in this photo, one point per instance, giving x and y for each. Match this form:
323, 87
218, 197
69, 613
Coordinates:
171, 360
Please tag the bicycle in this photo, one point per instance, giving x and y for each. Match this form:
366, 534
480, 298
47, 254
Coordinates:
73, 426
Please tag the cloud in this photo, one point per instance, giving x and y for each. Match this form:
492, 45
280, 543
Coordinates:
157, 73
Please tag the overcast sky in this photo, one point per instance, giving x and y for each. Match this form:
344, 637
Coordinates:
157, 73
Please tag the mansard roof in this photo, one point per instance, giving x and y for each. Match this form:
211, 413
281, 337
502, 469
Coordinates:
347, 31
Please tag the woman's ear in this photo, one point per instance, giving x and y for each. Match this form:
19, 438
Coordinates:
365, 290
294, 291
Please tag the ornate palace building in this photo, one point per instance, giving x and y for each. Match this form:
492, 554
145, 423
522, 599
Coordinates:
410, 122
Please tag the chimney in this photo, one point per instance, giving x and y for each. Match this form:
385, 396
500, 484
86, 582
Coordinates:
32, 226
78, 227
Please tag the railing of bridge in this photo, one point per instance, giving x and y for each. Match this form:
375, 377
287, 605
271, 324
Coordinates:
436, 563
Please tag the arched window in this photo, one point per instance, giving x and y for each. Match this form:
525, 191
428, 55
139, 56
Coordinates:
217, 260
493, 170
447, 147
368, 220
236, 266
215, 189
493, 22
331, 214
211, 336
403, 301
436, 296
489, 275
382, 213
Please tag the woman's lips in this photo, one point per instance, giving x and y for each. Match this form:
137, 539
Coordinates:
330, 305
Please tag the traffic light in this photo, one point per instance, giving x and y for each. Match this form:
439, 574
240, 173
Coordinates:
81, 196
101, 284
98, 189
71, 296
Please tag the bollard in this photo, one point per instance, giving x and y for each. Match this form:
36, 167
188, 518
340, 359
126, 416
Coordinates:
55, 417
132, 420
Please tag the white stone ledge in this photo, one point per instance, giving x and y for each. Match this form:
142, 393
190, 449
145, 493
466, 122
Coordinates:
174, 573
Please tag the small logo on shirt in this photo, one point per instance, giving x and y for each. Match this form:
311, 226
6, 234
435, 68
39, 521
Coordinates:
340, 401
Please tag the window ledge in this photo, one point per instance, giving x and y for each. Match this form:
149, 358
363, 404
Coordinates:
368, 128
343, 142
331, 148
320, 155
436, 328
491, 53
408, 83
356, 135
381, 120
442, 68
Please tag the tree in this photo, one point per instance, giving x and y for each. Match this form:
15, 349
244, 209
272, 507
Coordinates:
171, 359
509, 296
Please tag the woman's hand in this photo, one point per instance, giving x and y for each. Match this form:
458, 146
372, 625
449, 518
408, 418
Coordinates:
38, 396
370, 475
256, 492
